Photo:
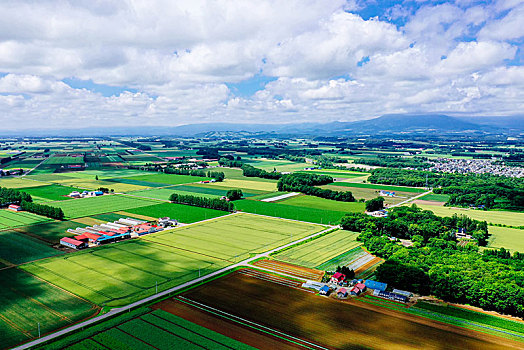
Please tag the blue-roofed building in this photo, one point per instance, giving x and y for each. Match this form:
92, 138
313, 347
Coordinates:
324, 290
376, 285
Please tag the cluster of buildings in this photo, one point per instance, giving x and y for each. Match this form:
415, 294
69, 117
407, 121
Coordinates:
339, 286
384, 193
383, 213
475, 166
84, 194
113, 232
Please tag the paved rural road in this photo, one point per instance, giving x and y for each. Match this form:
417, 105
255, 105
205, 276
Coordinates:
120, 310
411, 199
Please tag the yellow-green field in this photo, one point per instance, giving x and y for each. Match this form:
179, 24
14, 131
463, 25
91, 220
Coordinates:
505, 237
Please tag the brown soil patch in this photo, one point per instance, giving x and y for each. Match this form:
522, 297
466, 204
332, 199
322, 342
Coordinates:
223, 326
335, 324
367, 265
290, 269
89, 221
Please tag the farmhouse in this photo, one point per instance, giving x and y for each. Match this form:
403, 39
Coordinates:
72, 243
355, 291
378, 214
338, 278
324, 290
166, 222
387, 193
361, 286
376, 285
342, 293
14, 207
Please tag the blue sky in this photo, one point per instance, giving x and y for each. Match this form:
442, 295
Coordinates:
158, 63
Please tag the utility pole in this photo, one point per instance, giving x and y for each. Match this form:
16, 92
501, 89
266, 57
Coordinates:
38, 329
156, 287
199, 272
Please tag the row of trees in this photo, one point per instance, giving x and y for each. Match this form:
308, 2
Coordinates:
305, 183
12, 196
251, 171
486, 190
396, 162
203, 202
42, 209
230, 163
217, 175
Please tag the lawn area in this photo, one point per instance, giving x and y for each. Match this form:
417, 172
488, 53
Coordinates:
369, 193
381, 187
320, 216
50, 231
280, 165
319, 250
120, 273
167, 179
183, 213
17, 248
93, 184
10, 219
491, 216
50, 192
322, 203
29, 301
435, 197
505, 237
99, 205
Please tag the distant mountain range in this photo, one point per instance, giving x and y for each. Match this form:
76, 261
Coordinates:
386, 124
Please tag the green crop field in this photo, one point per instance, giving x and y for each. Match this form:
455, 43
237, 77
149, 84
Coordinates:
435, 197
504, 237
320, 216
473, 316
336, 174
131, 181
99, 205
120, 273
51, 232
279, 165
105, 174
167, 179
92, 184
50, 192
10, 219
322, 203
252, 186
150, 330
317, 251
17, 248
59, 160
27, 301
491, 216
381, 187
183, 213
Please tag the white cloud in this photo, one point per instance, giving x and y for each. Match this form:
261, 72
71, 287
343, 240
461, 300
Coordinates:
329, 62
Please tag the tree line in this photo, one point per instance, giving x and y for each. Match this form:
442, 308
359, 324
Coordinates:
251, 171
437, 265
396, 162
203, 202
217, 175
480, 190
42, 209
305, 183
12, 196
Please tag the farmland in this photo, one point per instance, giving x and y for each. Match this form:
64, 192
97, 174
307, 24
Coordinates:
124, 272
50, 192
381, 187
166, 179
183, 213
18, 248
322, 203
16, 182
303, 315
319, 216
10, 219
319, 250
509, 238
99, 205
27, 301
51, 232
491, 216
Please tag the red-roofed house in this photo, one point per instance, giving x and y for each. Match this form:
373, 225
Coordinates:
355, 291
14, 207
342, 293
92, 237
338, 278
72, 243
361, 286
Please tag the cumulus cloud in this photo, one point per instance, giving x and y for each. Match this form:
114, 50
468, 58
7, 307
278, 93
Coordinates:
177, 59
